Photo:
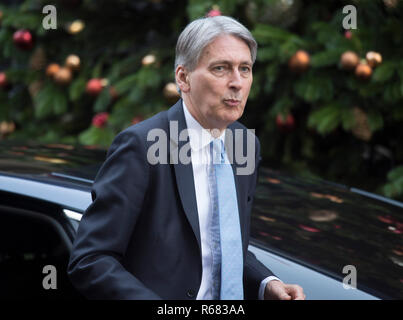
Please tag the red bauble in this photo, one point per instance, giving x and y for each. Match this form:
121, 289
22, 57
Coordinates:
348, 34
23, 39
100, 119
285, 124
3, 80
94, 87
137, 119
214, 13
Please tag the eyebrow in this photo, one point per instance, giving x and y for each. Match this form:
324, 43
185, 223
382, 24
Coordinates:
229, 62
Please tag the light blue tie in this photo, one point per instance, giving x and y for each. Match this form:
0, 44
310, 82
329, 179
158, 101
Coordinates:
226, 214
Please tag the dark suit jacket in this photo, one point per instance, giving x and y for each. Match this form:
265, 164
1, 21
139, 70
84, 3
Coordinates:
140, 237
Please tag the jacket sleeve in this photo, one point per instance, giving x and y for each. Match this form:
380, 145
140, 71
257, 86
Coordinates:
254, 271
118, 193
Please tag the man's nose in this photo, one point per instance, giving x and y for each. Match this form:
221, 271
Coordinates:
235, 81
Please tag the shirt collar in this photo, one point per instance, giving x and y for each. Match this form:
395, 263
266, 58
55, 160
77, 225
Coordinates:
198, 136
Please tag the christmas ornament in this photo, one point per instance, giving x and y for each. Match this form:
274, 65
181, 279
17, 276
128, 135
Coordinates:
38, 59
214, 12
349, 60
34, 87
348, 34
285, 124
363, 70
75, 27
23, 39
373, 58
3, 80
137, 119
148, 60
63, 76
390, 4
73, 62
52, 69
100, 119
113, 93
299, 62
170, 92
280, 13
361, 128
94, 87
6, 127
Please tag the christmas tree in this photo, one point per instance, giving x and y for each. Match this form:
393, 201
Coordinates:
326, 100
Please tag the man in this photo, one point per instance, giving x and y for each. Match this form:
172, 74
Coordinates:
180, 229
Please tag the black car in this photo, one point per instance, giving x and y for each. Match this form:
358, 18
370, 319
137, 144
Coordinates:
334, 241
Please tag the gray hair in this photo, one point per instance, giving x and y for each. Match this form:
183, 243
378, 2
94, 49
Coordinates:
201, 32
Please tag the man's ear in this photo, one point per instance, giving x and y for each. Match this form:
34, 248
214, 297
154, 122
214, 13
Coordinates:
182, 78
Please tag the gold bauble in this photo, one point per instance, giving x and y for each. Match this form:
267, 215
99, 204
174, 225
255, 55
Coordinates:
73, 62
299, 62
75, 27
52, 69
363, 71
361, 129
171, 92
349, 60
373, 58
7, 127
63, 76
148, 60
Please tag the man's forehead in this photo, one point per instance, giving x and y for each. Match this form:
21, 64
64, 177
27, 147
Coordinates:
222, 49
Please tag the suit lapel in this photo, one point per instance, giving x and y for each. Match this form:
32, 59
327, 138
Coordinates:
183, 172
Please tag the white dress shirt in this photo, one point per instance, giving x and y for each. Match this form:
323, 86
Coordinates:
200, 139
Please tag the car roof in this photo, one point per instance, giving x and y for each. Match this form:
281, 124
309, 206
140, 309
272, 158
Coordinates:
316, 223
329, 227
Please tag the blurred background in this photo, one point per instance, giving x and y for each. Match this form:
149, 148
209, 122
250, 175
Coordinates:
326, 101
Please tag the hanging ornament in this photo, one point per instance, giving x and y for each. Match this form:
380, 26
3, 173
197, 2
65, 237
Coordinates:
34, 87
100, 120
4, 84
148, 60
75, 27
38, 59
280, 13
214, 12
113, 93
363, 70
94, 86
361, 129
52, 69
23, 39
171, 92
63, 76
285, 123
349, 60
391, 4
137, 119
73, 62
6, 127
373, 58
299, 62
348, 34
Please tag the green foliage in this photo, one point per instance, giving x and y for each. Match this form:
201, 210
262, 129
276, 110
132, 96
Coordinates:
322, 99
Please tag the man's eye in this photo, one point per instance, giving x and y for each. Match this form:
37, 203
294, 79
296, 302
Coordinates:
219, 68
245, 69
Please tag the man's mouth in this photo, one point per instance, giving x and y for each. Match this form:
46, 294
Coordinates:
232, 102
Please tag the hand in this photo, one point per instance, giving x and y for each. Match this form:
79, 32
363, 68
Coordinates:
277, 290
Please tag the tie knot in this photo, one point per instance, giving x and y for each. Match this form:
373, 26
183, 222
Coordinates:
217, 151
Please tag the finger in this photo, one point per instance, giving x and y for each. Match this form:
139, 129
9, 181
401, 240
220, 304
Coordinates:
296, 292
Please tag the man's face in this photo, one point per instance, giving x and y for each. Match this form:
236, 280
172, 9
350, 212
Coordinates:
219, 86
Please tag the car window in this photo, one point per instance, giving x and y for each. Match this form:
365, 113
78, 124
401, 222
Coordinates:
30, 241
